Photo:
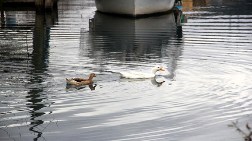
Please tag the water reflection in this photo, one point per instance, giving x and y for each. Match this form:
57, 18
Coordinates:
26, 35
35, 104
211, 60
91, 87
127, 40
132, 36
157, 81
37, 95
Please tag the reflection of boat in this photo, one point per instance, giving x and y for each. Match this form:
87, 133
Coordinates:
123, 39
134, 7
129, 36
138, 37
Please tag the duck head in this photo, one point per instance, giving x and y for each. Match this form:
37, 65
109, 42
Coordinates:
92, 75
157, 68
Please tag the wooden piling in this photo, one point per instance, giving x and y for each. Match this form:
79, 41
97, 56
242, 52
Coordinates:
2, 12
40, 5
1, 4
49, 4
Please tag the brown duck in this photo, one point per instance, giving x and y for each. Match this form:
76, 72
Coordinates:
81, 81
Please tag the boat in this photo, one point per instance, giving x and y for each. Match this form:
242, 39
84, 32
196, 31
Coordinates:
134, 7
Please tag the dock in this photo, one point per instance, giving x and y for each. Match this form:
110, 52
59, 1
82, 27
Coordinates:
34, 34
38, 4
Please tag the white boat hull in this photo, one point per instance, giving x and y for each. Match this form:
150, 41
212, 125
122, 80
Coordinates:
134, 7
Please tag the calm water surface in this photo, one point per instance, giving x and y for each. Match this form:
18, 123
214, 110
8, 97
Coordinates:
206, 97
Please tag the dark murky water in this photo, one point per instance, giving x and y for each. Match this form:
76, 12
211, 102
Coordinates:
206, 97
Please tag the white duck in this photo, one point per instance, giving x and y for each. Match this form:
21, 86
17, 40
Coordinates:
141, 75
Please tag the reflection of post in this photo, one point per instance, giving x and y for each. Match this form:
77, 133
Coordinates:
39, 57
43, 21
39, 62
40, 40
2, 13
35, 100
178, 15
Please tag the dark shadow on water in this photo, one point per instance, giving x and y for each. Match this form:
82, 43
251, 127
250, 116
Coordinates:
37, 95
37, 61
35, 104
71, 87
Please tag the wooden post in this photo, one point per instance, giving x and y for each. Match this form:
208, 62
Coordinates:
2, 13
39, 3
49, 4
2, 18
40, 40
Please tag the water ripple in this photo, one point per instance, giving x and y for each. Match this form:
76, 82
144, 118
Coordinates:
209, 86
